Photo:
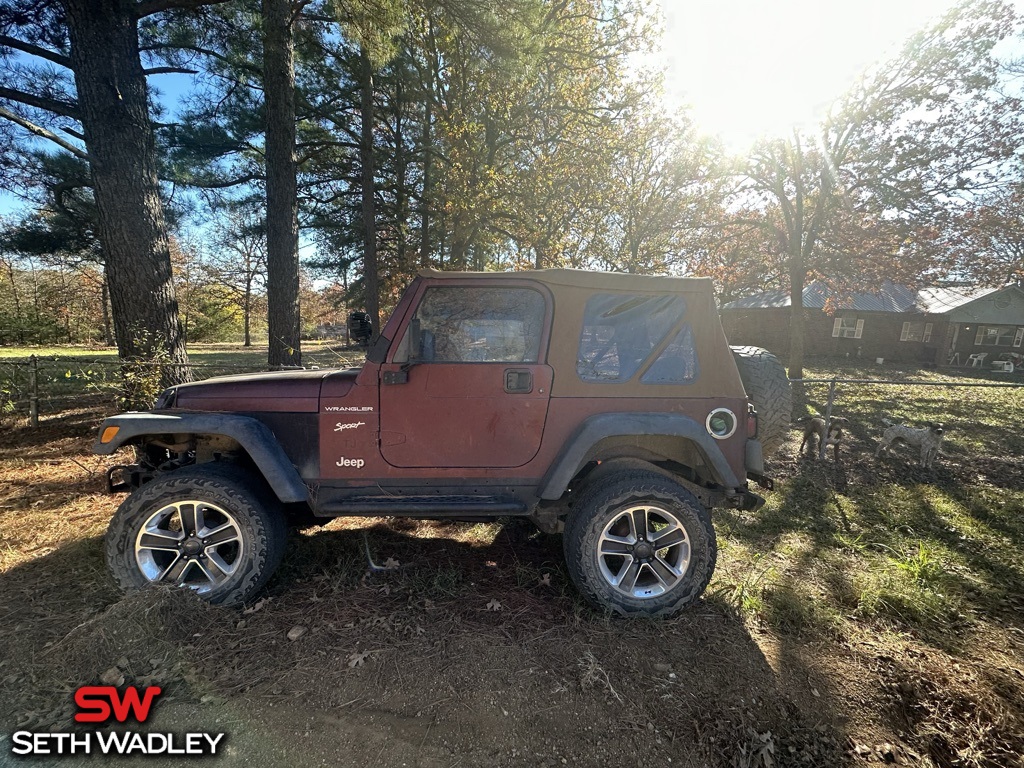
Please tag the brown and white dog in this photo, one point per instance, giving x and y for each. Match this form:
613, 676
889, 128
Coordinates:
814, 427
928, 439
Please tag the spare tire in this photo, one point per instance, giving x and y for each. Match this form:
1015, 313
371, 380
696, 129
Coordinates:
767, 385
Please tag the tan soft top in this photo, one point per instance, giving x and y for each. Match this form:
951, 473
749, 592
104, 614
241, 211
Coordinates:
573, 287
584, 278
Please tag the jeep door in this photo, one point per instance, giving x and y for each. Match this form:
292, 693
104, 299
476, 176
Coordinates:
467, 385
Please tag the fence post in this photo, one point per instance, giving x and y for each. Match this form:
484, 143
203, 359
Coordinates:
33, 391
828, 418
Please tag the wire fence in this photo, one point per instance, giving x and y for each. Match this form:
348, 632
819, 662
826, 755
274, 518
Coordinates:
40, 385
47, 385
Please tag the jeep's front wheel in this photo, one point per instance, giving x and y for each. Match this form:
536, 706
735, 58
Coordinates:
205, 528
640, 544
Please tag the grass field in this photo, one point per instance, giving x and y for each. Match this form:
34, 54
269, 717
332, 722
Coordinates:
872, 612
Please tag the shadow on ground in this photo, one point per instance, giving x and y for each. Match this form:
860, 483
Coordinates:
476, 653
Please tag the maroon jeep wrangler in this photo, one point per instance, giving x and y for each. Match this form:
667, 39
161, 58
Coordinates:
608, 407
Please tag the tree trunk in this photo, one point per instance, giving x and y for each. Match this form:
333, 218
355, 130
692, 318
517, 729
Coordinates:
20, 328
459, 248
371, 279
796, 313
283, 319
425, 200
402, 265
108, 331
114, 107
247, 311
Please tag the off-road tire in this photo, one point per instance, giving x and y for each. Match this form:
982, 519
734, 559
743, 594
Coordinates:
606, 500
767, 385
260, 523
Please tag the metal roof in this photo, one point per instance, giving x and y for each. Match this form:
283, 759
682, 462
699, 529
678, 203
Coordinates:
891, 297
936, 300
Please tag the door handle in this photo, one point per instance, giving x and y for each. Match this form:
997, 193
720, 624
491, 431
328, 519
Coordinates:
518, 382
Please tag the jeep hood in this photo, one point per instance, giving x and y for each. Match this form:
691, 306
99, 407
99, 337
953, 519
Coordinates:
282, 391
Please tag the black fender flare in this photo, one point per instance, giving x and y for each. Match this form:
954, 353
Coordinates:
605, 425
253, 435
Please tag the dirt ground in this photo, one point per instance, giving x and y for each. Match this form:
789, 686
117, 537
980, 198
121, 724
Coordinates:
476, 650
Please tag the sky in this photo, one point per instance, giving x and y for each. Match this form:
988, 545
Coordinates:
753, 67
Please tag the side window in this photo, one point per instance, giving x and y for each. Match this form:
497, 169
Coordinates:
480, 325
677, 363
621, 330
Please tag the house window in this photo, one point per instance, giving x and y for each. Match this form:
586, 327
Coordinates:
1018, 337
916, 332
847, 328
996, 336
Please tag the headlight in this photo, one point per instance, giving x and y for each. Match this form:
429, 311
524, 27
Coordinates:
721, 423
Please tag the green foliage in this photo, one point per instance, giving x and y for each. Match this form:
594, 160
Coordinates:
8, 399
212, 315
142, 377
921, 565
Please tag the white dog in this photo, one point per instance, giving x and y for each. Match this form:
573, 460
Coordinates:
928, 439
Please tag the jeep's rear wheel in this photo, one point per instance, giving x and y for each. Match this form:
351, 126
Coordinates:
640, 544
206, 528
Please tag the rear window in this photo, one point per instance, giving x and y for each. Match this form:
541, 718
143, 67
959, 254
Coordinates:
677, 363
621, 331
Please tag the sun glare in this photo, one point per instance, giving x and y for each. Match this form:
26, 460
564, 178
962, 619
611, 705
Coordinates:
749, 68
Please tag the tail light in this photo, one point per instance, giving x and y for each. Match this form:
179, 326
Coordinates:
751, 422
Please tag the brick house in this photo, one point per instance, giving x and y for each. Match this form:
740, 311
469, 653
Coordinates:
940, 325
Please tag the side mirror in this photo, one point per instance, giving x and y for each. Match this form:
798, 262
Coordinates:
360, 329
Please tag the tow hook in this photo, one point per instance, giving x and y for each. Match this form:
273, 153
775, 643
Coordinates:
745, 500
129, 476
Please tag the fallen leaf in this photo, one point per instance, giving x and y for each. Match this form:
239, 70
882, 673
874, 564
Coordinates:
545, 580
112, 676
357, 659
258, 605
391, 563
296, 632
494, 605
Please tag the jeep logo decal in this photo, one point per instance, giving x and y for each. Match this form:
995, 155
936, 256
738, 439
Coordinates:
343, 462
